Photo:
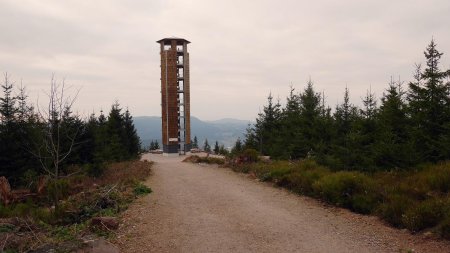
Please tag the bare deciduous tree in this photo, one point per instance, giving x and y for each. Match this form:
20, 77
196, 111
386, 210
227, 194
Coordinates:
49, 150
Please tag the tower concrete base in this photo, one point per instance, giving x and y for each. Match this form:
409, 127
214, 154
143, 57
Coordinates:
170, 154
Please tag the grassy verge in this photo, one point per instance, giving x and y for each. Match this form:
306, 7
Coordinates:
36, 224
418, 200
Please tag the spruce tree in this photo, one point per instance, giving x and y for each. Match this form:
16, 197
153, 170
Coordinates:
310, 110
195, 142
392, 146
116, 134
344, 119
251, 140
267, 126
132, 140
238, 148
152, 145
290, 124
364, 134
429, 101
206, 146
9, 146
216, 148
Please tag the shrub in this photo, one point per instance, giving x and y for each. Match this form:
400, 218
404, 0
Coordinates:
438, 177
95, 169
394, 207
208, 160
141, 189
277, 173
424, 215
249, 155
353, 190
57, 189
444, 227
302, 181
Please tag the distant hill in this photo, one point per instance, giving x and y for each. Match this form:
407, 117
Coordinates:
225, 131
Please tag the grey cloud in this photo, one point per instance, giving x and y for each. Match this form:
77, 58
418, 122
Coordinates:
240, 51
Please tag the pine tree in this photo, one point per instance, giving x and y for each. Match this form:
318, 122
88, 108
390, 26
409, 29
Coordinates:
344, 118
216, 148
195, 142
152, 145
132, 140
310, 110
392, 147
429, 101
364, 135
223, 150
206, 146
116, 134
18, 132
238, 148
290, 124
7, 103
267, 126
8, 134
251, 140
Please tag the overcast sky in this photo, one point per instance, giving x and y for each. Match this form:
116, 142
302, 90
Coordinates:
240, 50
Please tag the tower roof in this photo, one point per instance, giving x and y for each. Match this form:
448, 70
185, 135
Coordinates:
173, 38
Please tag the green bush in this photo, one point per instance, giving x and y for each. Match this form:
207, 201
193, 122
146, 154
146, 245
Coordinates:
353, 190
57, 189
302, 181
394, 207
95, 169
249, 155
426, 214
444, 227
141, 189
278, 173
438, 177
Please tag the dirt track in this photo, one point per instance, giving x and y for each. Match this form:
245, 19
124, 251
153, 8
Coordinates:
202, 208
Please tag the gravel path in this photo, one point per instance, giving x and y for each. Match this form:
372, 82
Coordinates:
202, 208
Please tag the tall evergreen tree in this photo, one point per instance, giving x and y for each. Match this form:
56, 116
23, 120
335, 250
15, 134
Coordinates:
344, 119
195, 142
238, 147
9, 146
392, 147
267, 126
116, 134
310, 110
216, 148
290, 123
429, 101
206, 146
132, 140
364, 134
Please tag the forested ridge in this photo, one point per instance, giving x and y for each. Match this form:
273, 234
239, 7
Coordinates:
407, 126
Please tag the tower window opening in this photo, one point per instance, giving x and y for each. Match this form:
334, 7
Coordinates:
167, 47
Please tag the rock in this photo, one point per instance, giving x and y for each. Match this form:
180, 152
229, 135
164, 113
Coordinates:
108, 222
98, 246
428, 234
